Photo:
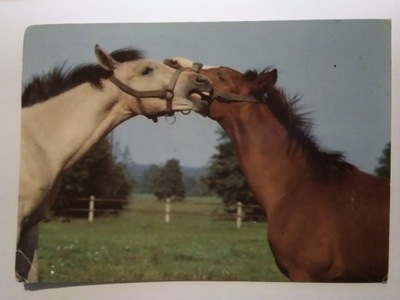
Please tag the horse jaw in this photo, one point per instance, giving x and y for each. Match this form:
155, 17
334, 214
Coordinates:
181, 104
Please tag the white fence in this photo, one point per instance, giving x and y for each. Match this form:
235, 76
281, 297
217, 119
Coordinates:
167, 212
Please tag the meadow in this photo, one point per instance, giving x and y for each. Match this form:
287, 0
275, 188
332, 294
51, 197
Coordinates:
139, 246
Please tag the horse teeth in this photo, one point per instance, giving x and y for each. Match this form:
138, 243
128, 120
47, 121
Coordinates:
206, 96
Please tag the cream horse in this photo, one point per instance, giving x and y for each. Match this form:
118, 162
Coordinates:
58, 131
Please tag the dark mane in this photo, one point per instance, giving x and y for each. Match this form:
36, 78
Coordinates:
60, 79
299, 127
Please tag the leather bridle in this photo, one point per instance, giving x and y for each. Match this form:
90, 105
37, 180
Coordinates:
232, 97
167, 93
223, 96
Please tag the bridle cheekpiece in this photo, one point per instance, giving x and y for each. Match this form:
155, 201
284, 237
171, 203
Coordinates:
167, 93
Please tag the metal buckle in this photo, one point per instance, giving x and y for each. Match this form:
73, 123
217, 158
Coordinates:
196, 67
169, 94
174, 119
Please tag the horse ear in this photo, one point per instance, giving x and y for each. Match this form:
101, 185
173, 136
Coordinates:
173, 63
265, 82
105, 59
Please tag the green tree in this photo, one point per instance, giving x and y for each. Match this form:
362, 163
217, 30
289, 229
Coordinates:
169, 182
227, 180
383, 168
97, 174
148, 179
194, 186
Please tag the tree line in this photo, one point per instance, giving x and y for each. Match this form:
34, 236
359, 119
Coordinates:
103, 173
149, 178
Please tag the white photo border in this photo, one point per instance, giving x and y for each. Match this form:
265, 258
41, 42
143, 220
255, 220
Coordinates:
16, 16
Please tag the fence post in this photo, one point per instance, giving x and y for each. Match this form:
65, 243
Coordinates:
167, 210
239, 214
91, 208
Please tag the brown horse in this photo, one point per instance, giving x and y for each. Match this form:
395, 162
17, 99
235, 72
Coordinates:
327, 220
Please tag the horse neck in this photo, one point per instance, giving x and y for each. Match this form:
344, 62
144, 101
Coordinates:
261, 145
68, 125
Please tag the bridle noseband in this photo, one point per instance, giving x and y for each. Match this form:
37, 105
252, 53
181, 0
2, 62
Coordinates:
167, 93
231, 97
223, 96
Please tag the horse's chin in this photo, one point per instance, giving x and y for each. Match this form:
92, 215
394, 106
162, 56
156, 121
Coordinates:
204, 97
202, 102
183, 104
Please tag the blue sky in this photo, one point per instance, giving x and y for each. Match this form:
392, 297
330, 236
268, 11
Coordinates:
340, 68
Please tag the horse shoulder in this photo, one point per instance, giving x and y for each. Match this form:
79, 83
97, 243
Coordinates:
333, 231
362, 225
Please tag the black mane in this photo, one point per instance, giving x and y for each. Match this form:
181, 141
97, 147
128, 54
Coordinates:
299, 127
59, 80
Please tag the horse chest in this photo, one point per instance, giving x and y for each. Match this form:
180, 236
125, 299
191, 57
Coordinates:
303, 242
38, 186
37, 208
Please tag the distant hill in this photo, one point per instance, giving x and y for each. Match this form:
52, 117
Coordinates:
137, 170
191, 178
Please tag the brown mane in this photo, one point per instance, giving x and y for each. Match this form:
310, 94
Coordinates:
299, 127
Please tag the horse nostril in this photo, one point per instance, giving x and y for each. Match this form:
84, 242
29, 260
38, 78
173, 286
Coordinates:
201, 79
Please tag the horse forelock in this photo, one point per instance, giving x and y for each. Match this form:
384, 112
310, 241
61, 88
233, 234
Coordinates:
61, 79
187, 63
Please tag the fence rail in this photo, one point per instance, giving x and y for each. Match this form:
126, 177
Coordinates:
166, 212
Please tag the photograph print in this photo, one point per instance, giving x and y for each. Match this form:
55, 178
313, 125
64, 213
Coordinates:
215, 151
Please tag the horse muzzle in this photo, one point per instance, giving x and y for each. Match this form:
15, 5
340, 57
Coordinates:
202, 88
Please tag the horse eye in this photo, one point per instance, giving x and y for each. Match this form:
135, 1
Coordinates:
147, 71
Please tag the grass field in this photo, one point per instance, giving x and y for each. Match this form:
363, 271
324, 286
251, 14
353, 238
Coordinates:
139, 246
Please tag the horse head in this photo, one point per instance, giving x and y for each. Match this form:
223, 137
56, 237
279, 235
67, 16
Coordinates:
153, 89
230, 85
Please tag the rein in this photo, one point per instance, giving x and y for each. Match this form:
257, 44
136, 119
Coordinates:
167, 93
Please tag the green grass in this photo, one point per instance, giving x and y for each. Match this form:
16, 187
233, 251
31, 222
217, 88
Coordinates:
142, 247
